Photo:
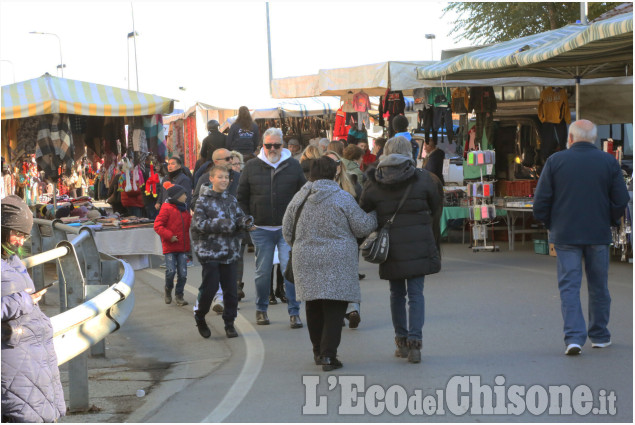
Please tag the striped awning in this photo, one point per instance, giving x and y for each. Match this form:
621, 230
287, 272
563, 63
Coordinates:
49, 95
325, 105
603, 47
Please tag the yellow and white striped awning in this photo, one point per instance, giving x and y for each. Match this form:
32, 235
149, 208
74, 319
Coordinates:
50, 95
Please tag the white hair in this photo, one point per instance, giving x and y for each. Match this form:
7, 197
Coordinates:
324, 142
272, 132
583, 131
399, 145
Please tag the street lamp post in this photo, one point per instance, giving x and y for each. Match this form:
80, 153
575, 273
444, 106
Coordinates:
61, 65
431, 37
12, 67
134, 39
133, 34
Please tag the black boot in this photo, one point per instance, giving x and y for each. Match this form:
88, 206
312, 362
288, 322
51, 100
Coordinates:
330, 363
168, 296
241, 293
203, 329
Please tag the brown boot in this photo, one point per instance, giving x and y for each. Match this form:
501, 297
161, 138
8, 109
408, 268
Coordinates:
414, 351
402, 347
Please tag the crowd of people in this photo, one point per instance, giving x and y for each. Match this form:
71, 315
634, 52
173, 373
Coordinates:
245, 190
316, 211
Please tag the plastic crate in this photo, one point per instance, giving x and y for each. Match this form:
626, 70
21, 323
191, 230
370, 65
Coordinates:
541, 246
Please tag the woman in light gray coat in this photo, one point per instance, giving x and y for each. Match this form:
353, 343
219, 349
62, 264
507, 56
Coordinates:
325, 260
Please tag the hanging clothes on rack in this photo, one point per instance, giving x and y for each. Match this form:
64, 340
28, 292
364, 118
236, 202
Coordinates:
361, 103
460, 101
483, 102
440, 99
555, 115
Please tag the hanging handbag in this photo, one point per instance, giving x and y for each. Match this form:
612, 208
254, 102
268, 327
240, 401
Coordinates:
288, 272
375, 246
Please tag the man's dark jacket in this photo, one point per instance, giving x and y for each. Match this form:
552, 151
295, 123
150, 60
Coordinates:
215, 140
580, 194
264, 192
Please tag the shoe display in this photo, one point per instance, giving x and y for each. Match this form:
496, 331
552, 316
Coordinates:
329, 363
218, 306
295, 322
601, 344
230, 331
354, 319
573, 350
203, 329
402, 347
414, 351
261, 318
272, 300
180, 301
168, 296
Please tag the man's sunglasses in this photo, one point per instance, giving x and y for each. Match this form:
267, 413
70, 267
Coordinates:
272, 145
229, 158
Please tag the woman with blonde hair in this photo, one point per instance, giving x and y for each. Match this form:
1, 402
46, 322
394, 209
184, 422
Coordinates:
310, 153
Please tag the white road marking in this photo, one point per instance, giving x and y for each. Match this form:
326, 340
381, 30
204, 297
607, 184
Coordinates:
254, 359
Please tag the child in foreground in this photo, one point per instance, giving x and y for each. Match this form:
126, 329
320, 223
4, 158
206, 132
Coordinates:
216, 234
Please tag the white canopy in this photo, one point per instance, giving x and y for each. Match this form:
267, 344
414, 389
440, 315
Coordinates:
374, 79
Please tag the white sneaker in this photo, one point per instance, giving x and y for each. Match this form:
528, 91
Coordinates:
573, 350
601, 344
218, 306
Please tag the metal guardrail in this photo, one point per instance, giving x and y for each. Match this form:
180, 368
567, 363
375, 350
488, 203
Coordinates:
95, 296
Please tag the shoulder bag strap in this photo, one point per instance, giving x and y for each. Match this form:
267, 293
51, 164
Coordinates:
403, 199
297, 217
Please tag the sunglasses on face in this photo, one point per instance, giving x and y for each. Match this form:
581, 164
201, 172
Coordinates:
229, 158
272, 145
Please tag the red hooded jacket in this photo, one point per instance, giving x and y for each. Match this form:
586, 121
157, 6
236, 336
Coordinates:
170, 222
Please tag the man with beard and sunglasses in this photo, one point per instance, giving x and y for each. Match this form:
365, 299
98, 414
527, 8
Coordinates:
267, 185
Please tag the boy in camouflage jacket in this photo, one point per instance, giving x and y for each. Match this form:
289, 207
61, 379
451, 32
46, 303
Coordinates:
215, 233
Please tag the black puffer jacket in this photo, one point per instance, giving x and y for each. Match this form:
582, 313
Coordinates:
215, 140
414, 235
264, 192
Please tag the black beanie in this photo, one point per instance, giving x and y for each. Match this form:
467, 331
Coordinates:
16, 215
175, 191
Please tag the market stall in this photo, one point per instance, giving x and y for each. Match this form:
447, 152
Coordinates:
547, 79
69, 127
185, 131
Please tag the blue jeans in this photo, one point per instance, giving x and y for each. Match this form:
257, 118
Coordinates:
408, 325
596, 265
176, 264
265, 242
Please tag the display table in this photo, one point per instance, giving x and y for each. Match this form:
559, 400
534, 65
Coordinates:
512, 215
450, 213
132, 245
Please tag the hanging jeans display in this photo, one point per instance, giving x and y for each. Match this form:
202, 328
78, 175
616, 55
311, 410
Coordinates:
484, 124
443, 116
426, 119
554, 136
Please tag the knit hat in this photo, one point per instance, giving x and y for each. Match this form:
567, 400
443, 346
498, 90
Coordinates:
16, 215
175, 191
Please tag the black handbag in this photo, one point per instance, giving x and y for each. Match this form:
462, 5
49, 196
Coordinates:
288, 272
375, 247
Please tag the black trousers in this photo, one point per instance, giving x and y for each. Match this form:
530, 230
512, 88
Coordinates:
443, 118
213, 273
324, 320
554, 137
426, 118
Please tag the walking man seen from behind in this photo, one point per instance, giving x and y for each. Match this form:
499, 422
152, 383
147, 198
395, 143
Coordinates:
580, 195
266, 186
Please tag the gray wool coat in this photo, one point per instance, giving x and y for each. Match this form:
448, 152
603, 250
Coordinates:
325, 258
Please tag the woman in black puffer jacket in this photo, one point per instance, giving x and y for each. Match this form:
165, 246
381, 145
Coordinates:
414, 237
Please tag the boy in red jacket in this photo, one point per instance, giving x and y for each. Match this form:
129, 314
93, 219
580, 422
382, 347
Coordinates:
173, 225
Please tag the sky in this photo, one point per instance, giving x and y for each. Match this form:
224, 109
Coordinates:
216, 50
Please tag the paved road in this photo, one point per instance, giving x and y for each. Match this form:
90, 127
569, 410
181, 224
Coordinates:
488, 315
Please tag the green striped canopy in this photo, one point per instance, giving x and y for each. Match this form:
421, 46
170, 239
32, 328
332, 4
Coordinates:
601, 48
49, 95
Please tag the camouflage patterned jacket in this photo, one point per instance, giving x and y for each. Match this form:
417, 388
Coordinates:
216, 227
